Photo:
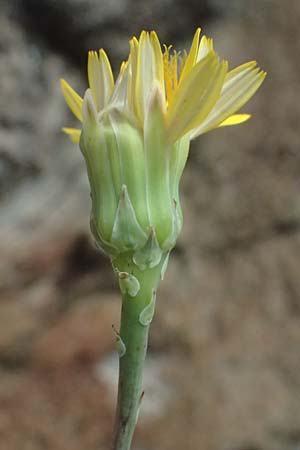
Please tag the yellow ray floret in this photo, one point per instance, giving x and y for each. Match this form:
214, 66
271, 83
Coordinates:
149, 70
198, 93
195, 96
73, 133
239, 86
205, 46
235, 119
100, 78
73, 100
192, 55
95, 78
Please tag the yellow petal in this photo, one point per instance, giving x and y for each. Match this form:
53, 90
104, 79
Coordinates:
235, 119
206, 46
131, 95
100, 78
196, 96
158, 57
192, 56
240, 85
73, 133
107, 76
119, 95
241, 70
149, 70
73, 100
94, 77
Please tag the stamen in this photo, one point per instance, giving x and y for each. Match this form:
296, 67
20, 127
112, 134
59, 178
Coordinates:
172, 68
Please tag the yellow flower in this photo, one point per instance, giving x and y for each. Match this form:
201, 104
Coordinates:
197, 91
136, 134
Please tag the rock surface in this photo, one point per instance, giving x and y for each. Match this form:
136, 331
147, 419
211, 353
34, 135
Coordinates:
228, 315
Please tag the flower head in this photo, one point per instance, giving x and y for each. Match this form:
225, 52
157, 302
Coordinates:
136, 132
197, 91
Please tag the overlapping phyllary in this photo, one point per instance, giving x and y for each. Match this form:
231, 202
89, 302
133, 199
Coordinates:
136, 132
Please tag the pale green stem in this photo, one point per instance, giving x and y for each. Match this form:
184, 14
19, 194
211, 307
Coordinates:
136, 316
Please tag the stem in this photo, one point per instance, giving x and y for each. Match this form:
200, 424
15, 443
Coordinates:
134, 335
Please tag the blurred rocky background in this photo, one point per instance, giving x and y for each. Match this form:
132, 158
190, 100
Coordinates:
223, 371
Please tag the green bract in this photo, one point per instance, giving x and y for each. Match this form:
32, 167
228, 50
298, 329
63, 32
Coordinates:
134, 176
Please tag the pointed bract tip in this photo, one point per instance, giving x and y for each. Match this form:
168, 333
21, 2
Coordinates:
89, 111
151, 231
124, 192
123, 275
156, 98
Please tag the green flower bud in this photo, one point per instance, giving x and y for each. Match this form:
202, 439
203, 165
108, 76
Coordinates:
134, 177
136, 133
